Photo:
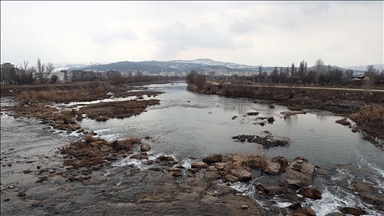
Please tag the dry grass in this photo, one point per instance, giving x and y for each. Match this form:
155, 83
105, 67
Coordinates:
369, 114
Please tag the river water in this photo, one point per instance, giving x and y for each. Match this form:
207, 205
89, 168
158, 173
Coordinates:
188, 124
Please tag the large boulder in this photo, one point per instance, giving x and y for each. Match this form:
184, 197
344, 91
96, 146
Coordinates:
306, 211
165, 158
213, 158
368, 192
273, 168
353, 211
300, 173
145, 147
310, 193
231, 178
241, 174
199, 165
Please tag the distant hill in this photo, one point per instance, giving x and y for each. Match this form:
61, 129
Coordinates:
155, 67
364, 67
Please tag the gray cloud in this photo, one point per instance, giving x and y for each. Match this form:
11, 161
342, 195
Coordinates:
178, 37
245, 26
111, 37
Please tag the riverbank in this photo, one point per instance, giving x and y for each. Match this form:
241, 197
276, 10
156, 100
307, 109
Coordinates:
339, 102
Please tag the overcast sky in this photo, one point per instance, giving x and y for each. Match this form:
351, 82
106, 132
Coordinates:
253, 33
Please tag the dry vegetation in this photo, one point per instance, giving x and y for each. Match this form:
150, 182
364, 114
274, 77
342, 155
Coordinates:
369, 114
121, 109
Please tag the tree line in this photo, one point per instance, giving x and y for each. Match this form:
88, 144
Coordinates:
28, 74
319, 74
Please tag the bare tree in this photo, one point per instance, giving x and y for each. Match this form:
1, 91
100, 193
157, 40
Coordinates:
48, 70
260, 71
370, 73
40, 70
320, 66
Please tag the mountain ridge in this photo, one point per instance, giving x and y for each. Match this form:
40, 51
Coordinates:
153, 66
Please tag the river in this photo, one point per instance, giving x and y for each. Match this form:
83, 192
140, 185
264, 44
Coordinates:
187, 124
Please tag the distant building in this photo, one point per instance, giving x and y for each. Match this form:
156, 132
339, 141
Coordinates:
77, 75
113, 73
8, 71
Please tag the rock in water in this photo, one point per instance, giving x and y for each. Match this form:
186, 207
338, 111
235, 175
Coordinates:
199, 165
273, 168
353, 211
306, 211
241, 174
300, 173
213, 158
145, 147
310, 193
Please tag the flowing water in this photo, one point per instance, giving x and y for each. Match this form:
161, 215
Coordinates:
189, 124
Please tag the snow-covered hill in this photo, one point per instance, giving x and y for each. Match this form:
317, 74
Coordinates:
69, 65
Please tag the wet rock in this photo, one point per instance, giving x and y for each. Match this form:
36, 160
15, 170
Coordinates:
368, 193
353, 211
213, 158
96, 167
73, 178
300, 173
199, 165
155, 169
145, 147
27, 171
295, 205
335, 214
42, 178
21, 194
244, 207
165, 158
208, 199
231, 178
135, 157
273, 168
253, 113
261, 188
241, 174
343, 121
220, 166
177, 174
281, 160
170, 169
310, 193
193, 170
306, 211
256, 162
212, 175
212, 169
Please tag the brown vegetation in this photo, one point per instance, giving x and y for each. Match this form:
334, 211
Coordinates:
120, 109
